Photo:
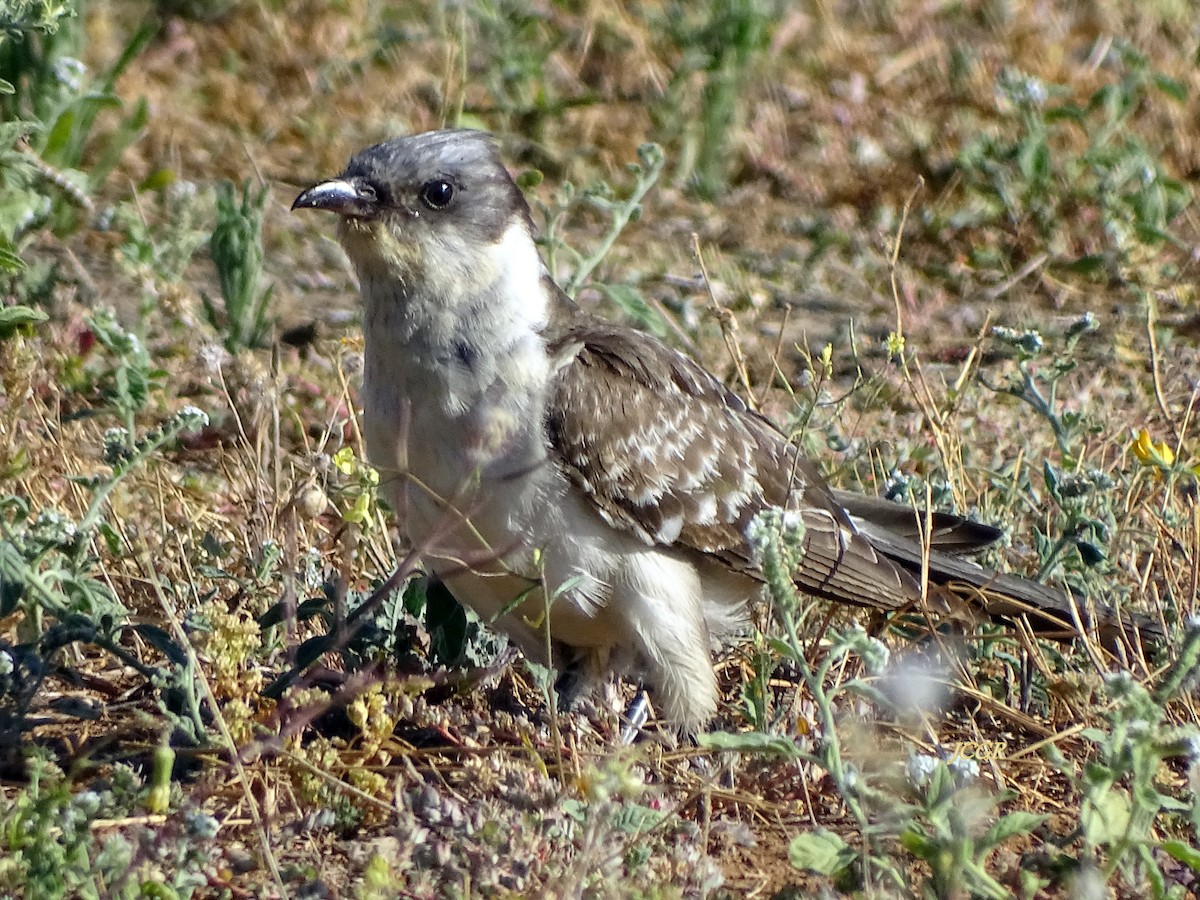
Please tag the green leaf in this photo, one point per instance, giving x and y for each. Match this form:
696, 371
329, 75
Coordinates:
18, 318
276, 689
1090, 264
1105, 819
1068, 111
128, 132
1186, 853
574, 808
313, 649
138, 42
1011, 825
157, 180
446, 621
1033, 159
636, 819
1050, 474
918, 843
11, 592
306, 610
631, 302
111, 538
414, 596
781, 648
1090, 553
1172, 88
821, 851
748, 742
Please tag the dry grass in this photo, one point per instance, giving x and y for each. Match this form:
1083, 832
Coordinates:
461, 781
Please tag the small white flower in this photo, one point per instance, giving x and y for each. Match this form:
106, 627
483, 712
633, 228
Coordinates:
192, 418
69, 72
964, 769
214, 357
920, 768
875, 655
1029, 340
87, 802
201, 825
180, 191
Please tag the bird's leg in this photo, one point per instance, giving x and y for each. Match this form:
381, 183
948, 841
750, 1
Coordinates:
635, 716
572, 678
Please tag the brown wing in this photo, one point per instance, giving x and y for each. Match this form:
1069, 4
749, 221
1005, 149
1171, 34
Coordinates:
666, 452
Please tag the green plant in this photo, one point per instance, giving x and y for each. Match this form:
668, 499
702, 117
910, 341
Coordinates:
1036, 177
127, 383
720, 44
51, 578
939, 813
506, 45
50, 847
21, 17
776, 538
50, 115
620, 212
237, 252
1036, 383
940, 818
156, 253
945, 829
1086, 520
19, 320
373, 626
1123, 807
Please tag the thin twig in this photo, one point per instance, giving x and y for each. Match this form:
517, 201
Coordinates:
893, 262
1151, 306
728, 325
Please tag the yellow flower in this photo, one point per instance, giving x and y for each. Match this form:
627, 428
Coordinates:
1149, 453
344, 460
360, 512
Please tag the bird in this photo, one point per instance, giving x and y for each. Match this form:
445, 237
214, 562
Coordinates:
578, 483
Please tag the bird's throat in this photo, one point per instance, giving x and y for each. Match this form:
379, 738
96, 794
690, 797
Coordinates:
456, 380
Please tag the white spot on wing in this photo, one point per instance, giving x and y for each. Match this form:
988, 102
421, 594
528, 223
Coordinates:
669, 531
706, 509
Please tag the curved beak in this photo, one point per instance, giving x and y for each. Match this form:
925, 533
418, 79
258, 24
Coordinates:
341, 195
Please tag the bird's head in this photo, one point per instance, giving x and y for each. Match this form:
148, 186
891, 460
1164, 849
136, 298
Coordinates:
435, 214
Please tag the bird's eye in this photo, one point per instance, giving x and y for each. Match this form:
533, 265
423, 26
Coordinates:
437, 194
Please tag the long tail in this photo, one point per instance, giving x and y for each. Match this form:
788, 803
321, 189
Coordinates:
895, 530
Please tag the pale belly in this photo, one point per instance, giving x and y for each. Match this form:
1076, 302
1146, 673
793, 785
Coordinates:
510, 539
529, 553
